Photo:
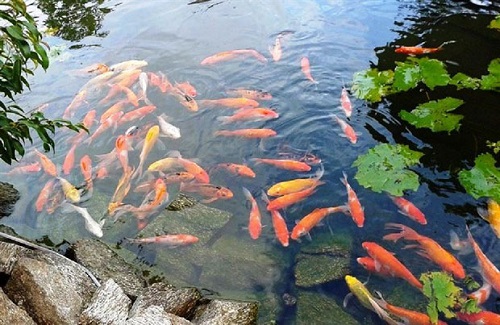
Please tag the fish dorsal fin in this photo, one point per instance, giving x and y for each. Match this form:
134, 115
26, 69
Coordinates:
346, 299
483, 213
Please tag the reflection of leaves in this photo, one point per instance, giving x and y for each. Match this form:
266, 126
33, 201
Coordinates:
483, 179
383, 168
433, 72
372, 84
495, 23
461, 81
433, 115
406, 76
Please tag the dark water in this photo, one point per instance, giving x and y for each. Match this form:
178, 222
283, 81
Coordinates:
339, 38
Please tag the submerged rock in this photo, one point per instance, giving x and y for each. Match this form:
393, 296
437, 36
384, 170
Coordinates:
316, 308
10, 313
222, 312
8, 197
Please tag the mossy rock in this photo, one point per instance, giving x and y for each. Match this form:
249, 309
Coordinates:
316, 308
8, 197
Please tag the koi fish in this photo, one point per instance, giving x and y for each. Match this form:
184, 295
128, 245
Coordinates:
143, 85
347, 130
31, 168
345, 102
166, 129
237, 169
86, 168
355, 209
409, 209
48, 166
289, 199
44, 195
191, 167
97, 82
276, 51
91, 225
110, 122
428, 249
126, 78
187, 88
286, 164
310, 221
164, 164
254, 94
121, 148
417, 50
371, 266
128, 65
482, 294
160, 80
75, 103
249, 114
295, 185
70, 191
88, 121
149, 143
492, 216
211, 192
254, 221
238, 102
229, 55
483, 317
54, 202
184, 99
247, 133
171, 178
69, 161
489, 271
117, 107
138, 113
386, 260
168, 240
462, 246
121, 190
279, 224
306, 69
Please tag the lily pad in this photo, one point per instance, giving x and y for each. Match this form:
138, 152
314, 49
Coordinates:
491, 81
406, 76
495, 23
372, 85
433, 72
384, 168
461, 81
434, 115
483, 179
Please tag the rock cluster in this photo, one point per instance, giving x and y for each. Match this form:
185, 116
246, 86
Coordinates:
45, 288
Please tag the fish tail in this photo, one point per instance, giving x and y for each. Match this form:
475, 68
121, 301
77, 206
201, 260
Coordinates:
344, 178
246, 193
319, 173
256, 160
224, 119
483, 213
404, 232
264, 197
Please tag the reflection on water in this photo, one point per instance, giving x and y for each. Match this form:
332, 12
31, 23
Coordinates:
339, 38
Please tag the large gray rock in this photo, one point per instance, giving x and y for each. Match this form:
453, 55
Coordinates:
316, 308
180, 302
155, 315
52, 290
9, 254
105, 264
222, 312
11, 314
8, 197
109, 306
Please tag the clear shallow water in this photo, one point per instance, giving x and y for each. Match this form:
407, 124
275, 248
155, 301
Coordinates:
339, 38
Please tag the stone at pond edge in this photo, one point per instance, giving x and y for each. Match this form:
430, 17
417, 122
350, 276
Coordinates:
155, 315
8, 197
315, 308
9, 254
104, 263
109, 305
11, 314
180, 302
222, 312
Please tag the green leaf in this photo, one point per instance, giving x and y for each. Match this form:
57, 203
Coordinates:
434, 115
483, 180
495, 23
433, 72
384, 168
43, 55
372, 84
442, 293
494, 67
461, 81
406, 76
15, 32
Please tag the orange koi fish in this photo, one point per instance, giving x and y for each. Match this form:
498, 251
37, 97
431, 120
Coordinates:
295, 185
237, 169
110, 122
371, 266
86, 168
149, 143
417, 50
306, 69
126, 78
231, 102
101, 173
347, 130
187, 88
184, 99
386, 260
355, 209
247, 133
75, 103
44, 195
482, 294
191, 167
428, 249
69, 161
211, 192
279, 224
31, 168
286, 164
89, 119
304, 226
229, 55
131, 96
55, 200
489, 271
249, 114
139, 113
48, 166
409, 209
484, 317
178, 177
114, 90
345, 102
122, 147
169, 240
254, 221
250, 94
289, 199
117, 107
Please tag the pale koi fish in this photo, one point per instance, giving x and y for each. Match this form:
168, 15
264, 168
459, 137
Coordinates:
347, 130
166, 129
128, 65
168, 240
229, 55
91, 225
306, 69
345, 102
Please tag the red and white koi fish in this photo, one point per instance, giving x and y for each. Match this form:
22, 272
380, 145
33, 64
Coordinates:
355, 209
347, 130
306, 69
482, 294
409, 209
168, 240
484, 317
345, 102
254, 221
279, 224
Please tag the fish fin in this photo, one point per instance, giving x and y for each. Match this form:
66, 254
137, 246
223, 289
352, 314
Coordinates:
161, 146
102, 222
346, 299
320, 172
264, 197
424, 255
344, 179
223, 119
483, 213
246, 193
174, 154
411, 246
206, 201
308, 236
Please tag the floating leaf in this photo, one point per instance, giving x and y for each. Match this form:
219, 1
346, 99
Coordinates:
406, 76
372, 84
433, 115
491, 81
494, 67
483, 179
384, 168
495, 23
461, 81
433, 72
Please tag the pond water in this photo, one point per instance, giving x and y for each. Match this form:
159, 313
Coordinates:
339, 38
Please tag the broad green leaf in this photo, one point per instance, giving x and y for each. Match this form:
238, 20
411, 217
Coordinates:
483, 180
442, 293
491, 81
372, 85
384, 168
461, 81
495, 23
433, 72
15, 32
434, 115
406, 76
43, 55
494, 67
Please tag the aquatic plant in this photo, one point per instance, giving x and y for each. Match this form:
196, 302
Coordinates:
495, 23
483, 179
